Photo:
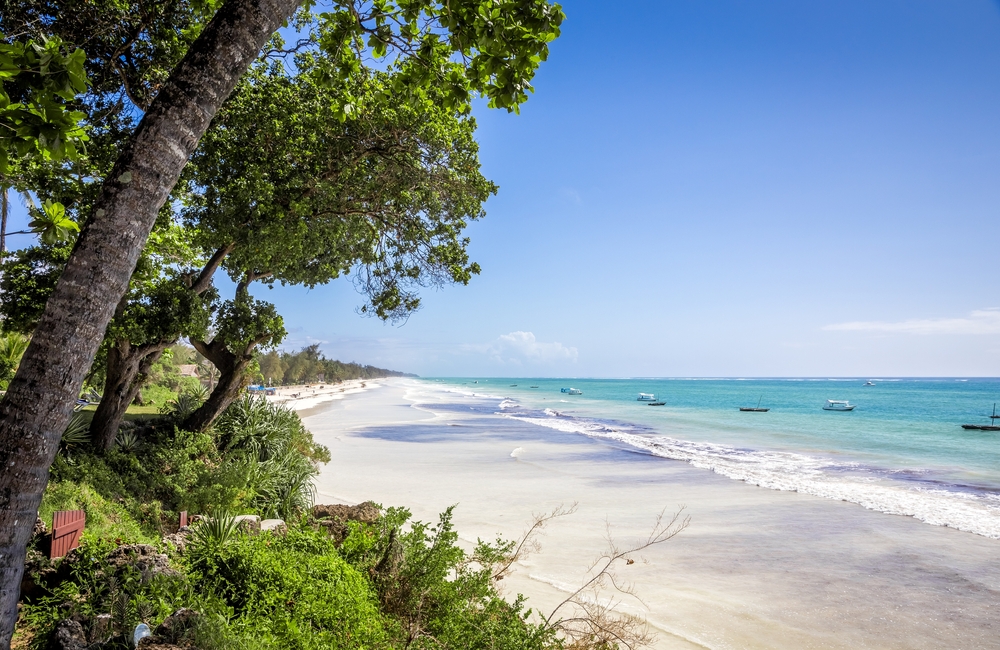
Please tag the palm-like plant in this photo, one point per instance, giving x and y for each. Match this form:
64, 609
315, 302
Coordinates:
12, 347
263, 438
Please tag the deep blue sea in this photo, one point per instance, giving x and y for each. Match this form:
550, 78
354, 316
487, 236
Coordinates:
901, 451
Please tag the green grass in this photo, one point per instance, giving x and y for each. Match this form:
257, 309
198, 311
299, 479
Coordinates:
105, 519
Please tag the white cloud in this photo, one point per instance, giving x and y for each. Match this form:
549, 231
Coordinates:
983, 321
519, 348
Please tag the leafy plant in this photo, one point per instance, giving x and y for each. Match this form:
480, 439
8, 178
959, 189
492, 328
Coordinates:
12, 347
213, 533
77, 433
127, 440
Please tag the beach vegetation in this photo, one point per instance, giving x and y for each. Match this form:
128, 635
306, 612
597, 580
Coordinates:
157, 76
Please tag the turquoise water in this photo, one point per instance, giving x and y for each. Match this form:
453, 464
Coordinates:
901, 451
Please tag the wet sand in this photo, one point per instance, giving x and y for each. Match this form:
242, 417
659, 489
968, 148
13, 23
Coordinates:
757, 568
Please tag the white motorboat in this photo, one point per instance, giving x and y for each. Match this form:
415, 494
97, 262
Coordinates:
868, 383
646, 397
838, 405
575, 391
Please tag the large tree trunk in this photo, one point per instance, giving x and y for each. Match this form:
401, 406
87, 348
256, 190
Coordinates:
128, 367
232, 380
40, 399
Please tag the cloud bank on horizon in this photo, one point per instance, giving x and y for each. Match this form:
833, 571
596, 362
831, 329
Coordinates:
524, 349
982, 321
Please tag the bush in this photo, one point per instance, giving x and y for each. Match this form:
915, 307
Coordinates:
105, 519
293, 591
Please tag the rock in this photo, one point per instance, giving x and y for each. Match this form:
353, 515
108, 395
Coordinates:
143, 557
100, 630
335, 517
69, 635
277, 525
176, 625
366, 512
156, 643
248, 523
180, 539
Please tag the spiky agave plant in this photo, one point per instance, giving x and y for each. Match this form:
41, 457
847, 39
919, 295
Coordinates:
127, 440
212, 533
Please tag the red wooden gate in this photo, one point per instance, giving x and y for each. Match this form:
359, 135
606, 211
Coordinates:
67, 527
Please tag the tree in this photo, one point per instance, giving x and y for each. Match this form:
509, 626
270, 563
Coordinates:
460, 46
386, 191
39, 401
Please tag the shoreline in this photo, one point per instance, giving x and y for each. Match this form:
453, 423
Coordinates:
312, 399
758, 568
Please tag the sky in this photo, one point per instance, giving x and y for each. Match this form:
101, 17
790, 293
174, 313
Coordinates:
714, 189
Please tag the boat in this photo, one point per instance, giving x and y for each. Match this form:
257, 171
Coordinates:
838, 405
656, 403
646, 397
755, 409
574, 391
532, 386
986, 427
868, 383
513, 385
564, 390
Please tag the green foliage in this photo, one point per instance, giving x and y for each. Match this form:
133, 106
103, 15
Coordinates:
309, 365
442, 596
12, 347
106, 519
27, 278
52, 224
456, 48
211, 534
38, 81
294, 591
245, 323
275, 453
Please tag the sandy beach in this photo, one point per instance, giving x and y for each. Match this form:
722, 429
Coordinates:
757, 568
306, 399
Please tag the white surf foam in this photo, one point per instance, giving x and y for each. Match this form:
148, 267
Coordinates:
817, 476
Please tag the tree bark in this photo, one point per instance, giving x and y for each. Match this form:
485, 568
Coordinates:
232, 380
39, 402
128, 367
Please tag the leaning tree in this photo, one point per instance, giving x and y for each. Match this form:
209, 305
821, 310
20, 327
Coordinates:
460, 47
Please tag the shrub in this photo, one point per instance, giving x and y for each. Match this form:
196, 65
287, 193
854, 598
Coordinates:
293, 591
105, 519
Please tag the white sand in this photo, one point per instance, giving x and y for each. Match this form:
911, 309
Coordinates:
308, 396
756, 569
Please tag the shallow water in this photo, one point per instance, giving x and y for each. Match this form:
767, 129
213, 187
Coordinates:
901, 451
757, 568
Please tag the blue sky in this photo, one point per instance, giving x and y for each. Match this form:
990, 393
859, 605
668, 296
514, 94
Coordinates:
725, 189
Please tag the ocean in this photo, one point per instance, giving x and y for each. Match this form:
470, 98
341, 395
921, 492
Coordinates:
901, 451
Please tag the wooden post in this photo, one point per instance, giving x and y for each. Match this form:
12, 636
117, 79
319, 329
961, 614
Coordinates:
67, 528
184, 518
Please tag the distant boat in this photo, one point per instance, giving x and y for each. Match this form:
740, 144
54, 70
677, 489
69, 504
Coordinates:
646, 397
838, 405
656, 403
986, 427
513, 385
564, 390
755, 409
574, 391
532, 386
868, 383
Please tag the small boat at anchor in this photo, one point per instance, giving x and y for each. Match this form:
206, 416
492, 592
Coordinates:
985, 427
646, 397
868, 383
574, 391
656, 403
839, 405
755, 409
